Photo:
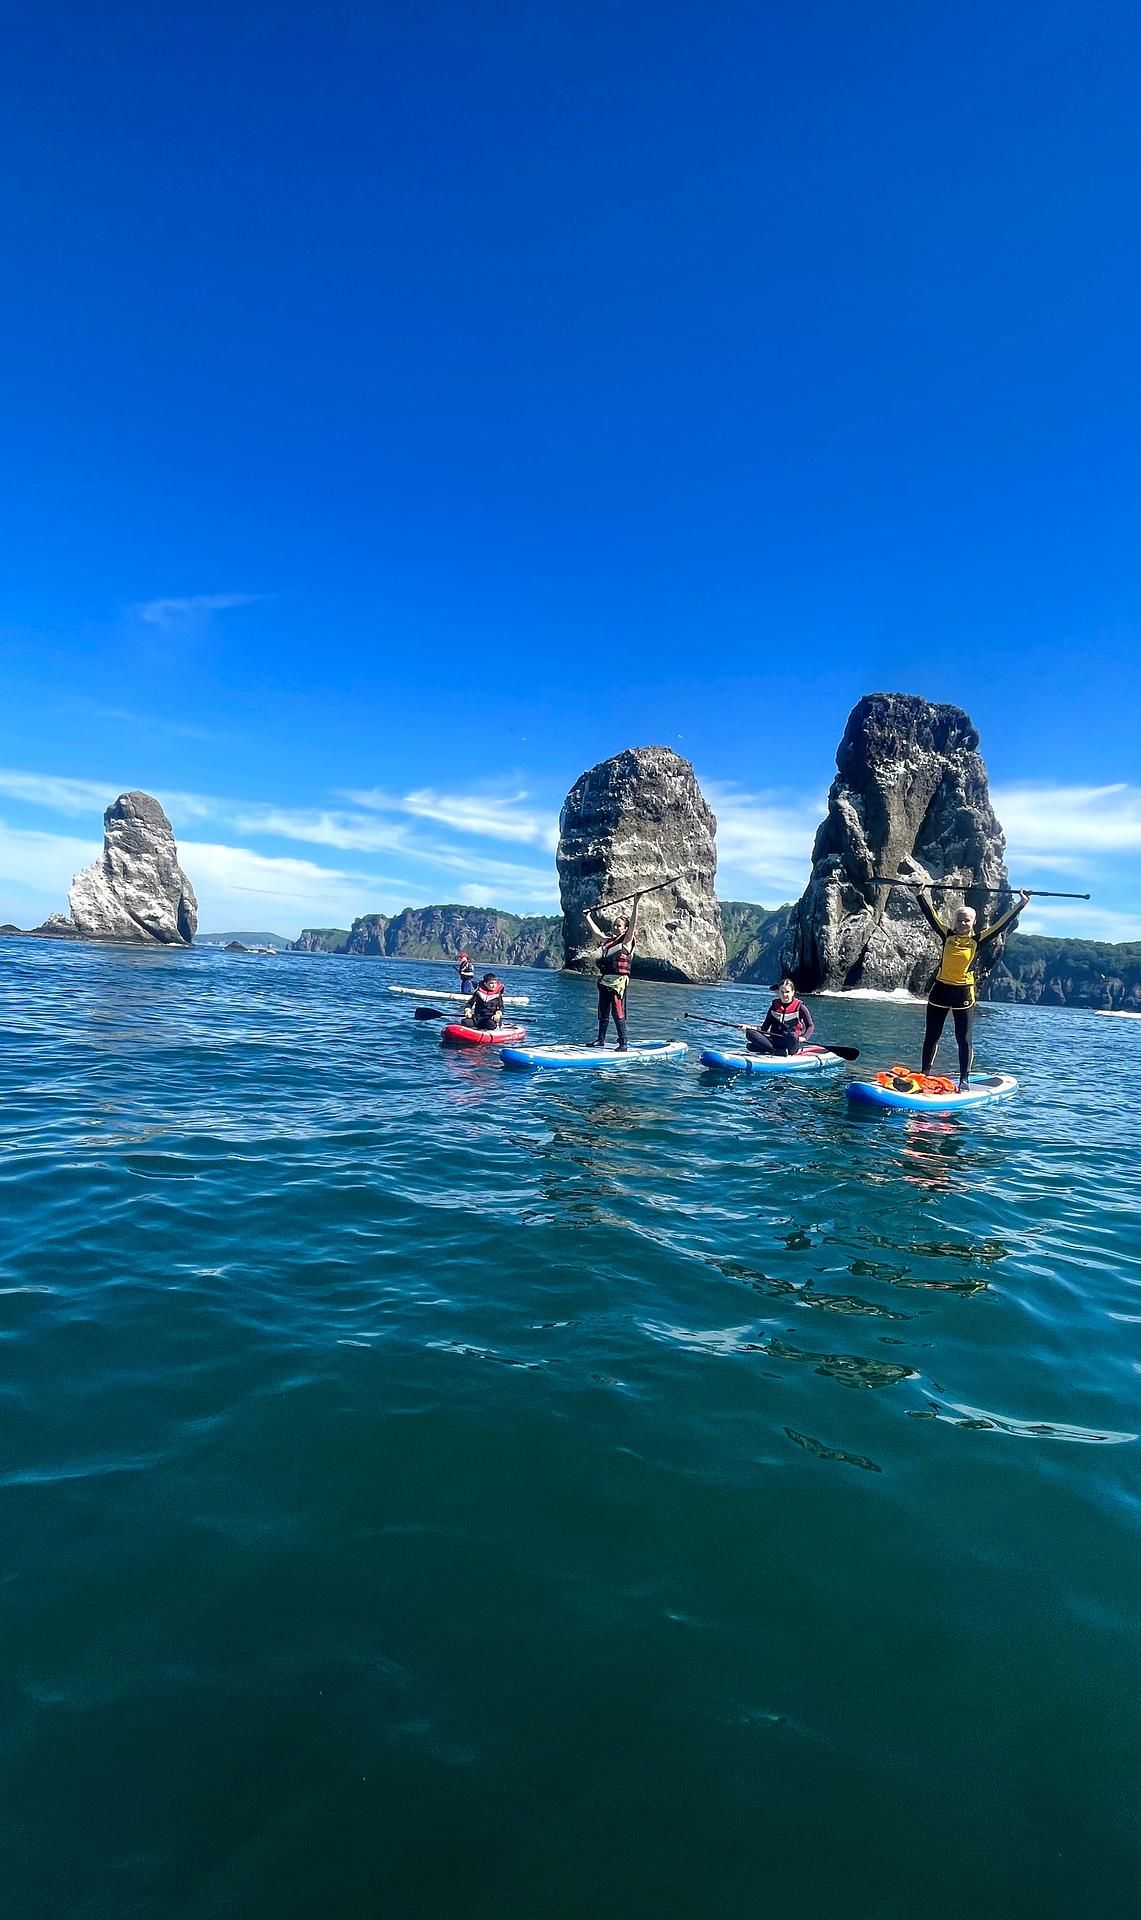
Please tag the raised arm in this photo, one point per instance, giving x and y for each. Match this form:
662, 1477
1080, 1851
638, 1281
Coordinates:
929, 913
633, 927
592, 923
988, 933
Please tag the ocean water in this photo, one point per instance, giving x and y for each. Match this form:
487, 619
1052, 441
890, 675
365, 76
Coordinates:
433, 1491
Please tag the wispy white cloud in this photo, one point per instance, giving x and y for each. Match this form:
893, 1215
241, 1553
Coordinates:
190, 610
45, 862
764, 841
512, 816
314, 826
151, 723
57, 793
1046, 820
60, 793
1070, 920
231, 881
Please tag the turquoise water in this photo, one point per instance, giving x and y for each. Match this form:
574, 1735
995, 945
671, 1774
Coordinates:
432, 1491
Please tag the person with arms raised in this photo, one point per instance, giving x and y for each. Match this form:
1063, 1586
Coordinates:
953, 989
614, 957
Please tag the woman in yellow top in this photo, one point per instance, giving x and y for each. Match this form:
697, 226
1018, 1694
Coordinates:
953, 988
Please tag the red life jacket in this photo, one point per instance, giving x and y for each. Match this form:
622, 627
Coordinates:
486, 1003
786, 1018
615, 957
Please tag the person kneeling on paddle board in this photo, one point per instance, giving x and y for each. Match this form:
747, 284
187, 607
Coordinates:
953, 988
485, 1008
466, 972
614, 958
785, 1025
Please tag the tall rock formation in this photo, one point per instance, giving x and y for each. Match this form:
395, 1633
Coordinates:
136, 890
631, 822
910, 797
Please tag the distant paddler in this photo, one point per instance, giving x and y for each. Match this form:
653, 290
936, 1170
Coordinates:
466, 971
953, 988
613, 957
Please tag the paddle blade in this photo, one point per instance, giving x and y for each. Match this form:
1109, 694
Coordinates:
845, 1053
429, 1013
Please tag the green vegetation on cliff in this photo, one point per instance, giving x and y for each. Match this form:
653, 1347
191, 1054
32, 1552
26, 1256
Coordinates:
1036, 970
753, 940
443, 933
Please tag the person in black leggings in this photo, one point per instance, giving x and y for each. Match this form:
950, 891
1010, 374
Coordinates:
614, 966
953, 988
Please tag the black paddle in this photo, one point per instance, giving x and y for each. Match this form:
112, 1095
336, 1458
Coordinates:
968, 886
657, 887
736, 1026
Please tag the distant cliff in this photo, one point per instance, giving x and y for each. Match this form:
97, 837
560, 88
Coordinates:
1038, 971
443, 933
320, 940
754, 937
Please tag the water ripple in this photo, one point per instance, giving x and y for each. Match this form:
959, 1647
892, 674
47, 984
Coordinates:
396, 1447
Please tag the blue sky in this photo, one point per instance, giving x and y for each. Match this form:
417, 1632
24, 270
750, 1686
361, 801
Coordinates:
408, 406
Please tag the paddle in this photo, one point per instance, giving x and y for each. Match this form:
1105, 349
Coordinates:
640, 894
736, 1026
960, 886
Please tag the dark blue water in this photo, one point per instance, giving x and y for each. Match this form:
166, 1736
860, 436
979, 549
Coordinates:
431, 1491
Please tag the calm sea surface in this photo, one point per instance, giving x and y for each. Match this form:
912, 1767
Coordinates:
433, 1491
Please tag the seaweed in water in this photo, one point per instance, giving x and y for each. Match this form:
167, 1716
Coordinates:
820, 1452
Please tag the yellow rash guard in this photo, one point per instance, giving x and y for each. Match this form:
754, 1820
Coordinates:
960, 950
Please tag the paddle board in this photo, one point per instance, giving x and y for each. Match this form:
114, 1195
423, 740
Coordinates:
808, 1060
430, 993
638, 1053
456, 1036
983, 1087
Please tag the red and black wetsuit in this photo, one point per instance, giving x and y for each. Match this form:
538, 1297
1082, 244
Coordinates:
782, 1029
614, 968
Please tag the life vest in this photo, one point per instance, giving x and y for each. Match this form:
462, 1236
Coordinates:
904, 1080
486, 1003
787, 1019
615, 957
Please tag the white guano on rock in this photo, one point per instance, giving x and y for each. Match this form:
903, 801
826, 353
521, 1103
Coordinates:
136, 890
630, 823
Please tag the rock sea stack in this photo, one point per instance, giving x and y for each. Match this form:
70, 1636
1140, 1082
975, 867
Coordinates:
136, 890
910, 798
632, 822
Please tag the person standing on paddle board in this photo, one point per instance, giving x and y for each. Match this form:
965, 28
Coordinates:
614, 956
953, 988
786, 1024
485, 1008
466, 972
